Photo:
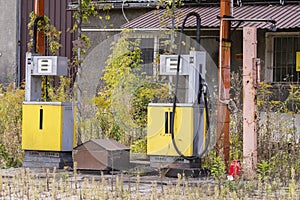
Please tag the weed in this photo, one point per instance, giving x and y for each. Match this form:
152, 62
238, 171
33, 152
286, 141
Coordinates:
27, 184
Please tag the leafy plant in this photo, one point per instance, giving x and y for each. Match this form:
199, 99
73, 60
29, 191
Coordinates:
264, 168
123, 99
62, 92
139, 146
236, 121
217, 168
120, 78
52, 35
85, 10
147, 92
277, 132
11, 100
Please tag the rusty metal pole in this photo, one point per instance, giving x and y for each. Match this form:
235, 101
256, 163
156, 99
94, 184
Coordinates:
250, 79
40, 40
224, 82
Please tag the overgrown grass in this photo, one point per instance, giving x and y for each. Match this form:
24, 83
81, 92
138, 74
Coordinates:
46, 184
278, 143
11, 100
278, 170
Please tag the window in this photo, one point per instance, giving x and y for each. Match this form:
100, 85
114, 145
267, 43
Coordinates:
147, 53
281, 57
151, 45
147, 47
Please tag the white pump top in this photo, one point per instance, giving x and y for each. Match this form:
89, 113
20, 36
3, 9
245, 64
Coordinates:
38, 66
191, 65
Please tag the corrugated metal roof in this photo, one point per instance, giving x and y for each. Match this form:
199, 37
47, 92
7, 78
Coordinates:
286, 16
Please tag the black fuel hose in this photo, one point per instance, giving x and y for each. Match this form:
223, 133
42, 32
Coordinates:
176, 88
34, 49
35, 32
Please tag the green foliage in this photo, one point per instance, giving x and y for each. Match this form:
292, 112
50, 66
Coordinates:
10, 126
294, 98
120, 80
85, 10
63, 92
278, 149
122, 101
217, 168
236, 121
169, 13
144, 94
170, 9
264, 95
83, 13
264, 168
7, 158
266, 102
139, 146
124, 61
51, 34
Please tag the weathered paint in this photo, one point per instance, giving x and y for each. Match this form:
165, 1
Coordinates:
40, 40
224, 84
249, 108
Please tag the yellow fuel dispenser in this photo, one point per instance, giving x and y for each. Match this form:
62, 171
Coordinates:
190, 126
47, 127
187, 122
178, 132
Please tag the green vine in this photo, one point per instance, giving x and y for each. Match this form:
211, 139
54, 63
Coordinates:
51, 34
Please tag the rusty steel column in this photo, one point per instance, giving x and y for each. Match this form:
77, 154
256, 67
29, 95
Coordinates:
250, 76
224, 82
40, 40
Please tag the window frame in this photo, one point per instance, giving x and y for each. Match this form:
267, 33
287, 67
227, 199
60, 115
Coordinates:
269, 54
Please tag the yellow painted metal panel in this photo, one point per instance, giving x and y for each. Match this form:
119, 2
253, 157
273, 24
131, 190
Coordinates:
298, 61
159, 140
204, 130
75, 128
42, 127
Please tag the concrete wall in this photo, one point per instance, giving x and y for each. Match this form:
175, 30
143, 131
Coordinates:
210, 41
115, 21
8, 40
281, 126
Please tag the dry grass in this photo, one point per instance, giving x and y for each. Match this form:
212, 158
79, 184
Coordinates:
52, 184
